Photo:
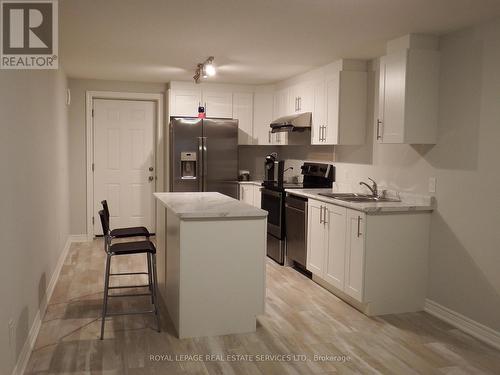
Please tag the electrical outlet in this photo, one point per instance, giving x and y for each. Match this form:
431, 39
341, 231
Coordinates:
432, 184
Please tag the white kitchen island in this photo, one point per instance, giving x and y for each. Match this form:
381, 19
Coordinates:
211, 255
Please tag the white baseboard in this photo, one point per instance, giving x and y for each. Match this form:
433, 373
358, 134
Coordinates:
473, 328
24, 356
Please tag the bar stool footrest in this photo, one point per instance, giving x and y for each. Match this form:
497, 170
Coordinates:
129, 286
128, 273
131, 313
130, 295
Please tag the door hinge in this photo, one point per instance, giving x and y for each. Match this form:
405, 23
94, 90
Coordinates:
92, 112
93, 220
93, 167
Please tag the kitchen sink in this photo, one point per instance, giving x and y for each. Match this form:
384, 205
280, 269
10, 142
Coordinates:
358, 198
342, 195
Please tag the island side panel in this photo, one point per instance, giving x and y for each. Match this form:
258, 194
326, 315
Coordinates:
396, 262
222, 285
159, 240
172, 244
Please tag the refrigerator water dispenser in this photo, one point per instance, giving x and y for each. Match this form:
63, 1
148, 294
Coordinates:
188, 165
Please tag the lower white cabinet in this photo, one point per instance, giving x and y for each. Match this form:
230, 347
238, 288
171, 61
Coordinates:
354, 254
317, 238
377, 262
335, 250
257, 196
250, 193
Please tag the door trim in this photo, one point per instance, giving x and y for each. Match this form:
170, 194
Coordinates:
89, 137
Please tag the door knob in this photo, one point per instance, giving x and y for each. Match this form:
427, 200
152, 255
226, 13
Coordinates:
151, 178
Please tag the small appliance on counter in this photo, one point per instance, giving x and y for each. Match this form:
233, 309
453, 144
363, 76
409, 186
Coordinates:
273, 169
243, 175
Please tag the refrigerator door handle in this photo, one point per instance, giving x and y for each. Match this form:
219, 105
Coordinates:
205, 164
199, 172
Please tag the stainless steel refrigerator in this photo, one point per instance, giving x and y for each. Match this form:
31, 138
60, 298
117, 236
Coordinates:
204, 155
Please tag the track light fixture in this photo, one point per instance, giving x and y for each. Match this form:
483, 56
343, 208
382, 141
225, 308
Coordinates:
205, 69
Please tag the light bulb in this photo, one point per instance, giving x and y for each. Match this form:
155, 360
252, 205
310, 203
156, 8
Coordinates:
210, 69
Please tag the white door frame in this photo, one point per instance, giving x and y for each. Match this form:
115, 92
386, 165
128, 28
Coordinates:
158, 149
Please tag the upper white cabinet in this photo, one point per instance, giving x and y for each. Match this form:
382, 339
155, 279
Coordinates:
377, 262
184, 102
281, 103
341, 105
218, 104
186, 97
263, 115
301, 98
408, 91
220, 101
319, 115
243, 112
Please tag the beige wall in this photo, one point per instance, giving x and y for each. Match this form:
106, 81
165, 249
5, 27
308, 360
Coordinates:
465, 240
34, 224
78, 183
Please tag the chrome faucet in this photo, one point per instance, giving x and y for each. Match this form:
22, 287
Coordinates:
373, 188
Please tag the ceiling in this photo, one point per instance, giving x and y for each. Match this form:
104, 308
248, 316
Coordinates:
253, 41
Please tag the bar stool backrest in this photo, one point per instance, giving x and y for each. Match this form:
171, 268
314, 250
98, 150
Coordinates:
104, 223
106, 209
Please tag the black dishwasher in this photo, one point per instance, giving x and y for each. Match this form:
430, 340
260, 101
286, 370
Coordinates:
296, 230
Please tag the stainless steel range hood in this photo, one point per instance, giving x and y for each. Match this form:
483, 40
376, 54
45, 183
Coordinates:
293, 123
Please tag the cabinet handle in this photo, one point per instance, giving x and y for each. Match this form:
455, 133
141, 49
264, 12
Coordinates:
324, 215
320, 133
324, 133
378, 128
359, 225
321, 214
300, 103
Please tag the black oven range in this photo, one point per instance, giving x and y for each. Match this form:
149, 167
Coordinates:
316, 175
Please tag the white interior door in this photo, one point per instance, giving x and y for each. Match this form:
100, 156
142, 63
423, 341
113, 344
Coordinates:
124, 162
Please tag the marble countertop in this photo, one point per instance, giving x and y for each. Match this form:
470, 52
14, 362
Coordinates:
408, 203
192, 206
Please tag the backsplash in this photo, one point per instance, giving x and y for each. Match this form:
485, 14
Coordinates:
252, 158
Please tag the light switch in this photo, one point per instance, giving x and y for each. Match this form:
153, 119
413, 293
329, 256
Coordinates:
432, 184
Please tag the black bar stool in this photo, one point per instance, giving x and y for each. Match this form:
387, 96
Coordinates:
128, 248
125, 232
